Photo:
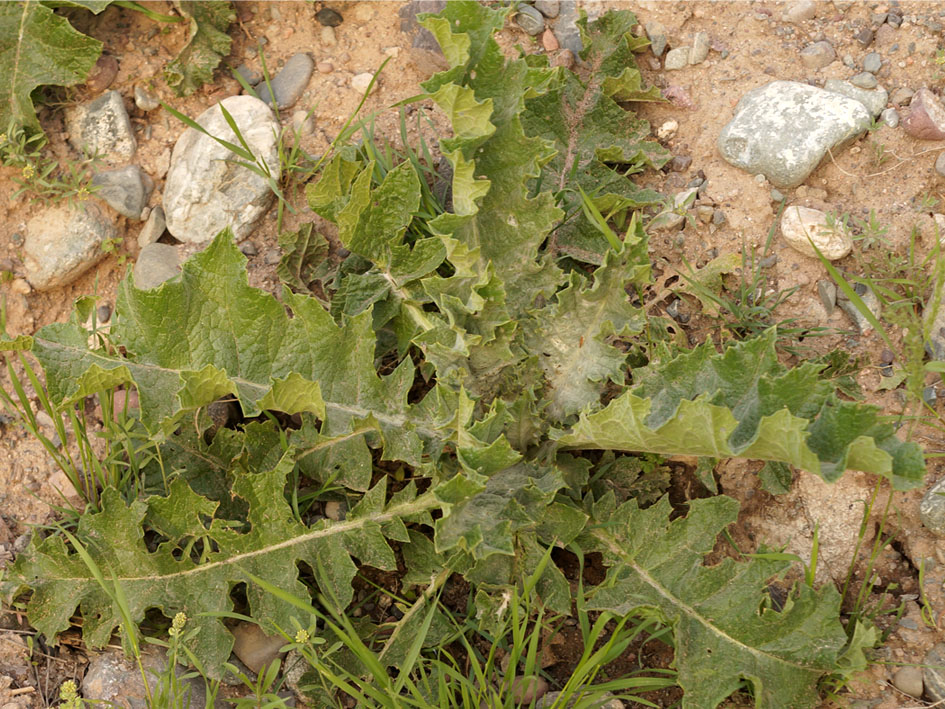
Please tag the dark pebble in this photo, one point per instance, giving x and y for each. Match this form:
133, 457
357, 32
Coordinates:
103, 313
894, 19
16, 238
328, 17
864, 36
768, 261
680, 163
887, 356
673, 311
249, 248
718, 217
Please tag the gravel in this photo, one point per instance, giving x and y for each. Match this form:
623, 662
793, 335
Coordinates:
872, 62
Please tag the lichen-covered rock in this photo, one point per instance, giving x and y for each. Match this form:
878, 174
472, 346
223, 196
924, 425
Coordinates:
784, 129
64, 242
800, 226
102, 127
206, 191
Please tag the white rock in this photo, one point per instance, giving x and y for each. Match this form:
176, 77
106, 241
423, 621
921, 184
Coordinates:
205, 190
668, 129
153, 227
360, 82
800, 226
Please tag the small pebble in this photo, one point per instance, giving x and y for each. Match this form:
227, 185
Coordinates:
901, 96
102, 75
929, 395
940, 164
890, 116
153, 227
800, 11
564, 58
818, 55
549, 41
776, 195
864, 36
303, 122
360, 82
718, 217
530, 20
328, 17
677, 58
335, 510
704, 212
872, 62
249, 75
864, 80
289, 83
909, 681
656, 33
667, 130
548, 8
327, 37
324, 67
272, 257
933, 672
700, 48
249, 249
145, 100
680, 163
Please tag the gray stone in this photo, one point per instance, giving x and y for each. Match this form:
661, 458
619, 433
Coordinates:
102, 127
248, 74
700, 48
890, 116
940, 164
548, 8
126, 189
818, 55
864, 80
290, 82
800, 11
909, 681
63, 242
422, 38
776, 195
565, 30
933, 673
677, 58
656, 33
863, 325
530, 20
872, 62
873, 100
145, 100
827, 290
205, 191
864, 36
932, 509
115, 680
784, 129
156, 263
901, 96
153, 227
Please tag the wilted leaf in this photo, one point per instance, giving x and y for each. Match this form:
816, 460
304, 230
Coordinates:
206, 46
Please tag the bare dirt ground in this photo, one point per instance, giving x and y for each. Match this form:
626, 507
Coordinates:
886, 171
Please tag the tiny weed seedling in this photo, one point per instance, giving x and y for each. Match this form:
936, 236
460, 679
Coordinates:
40, 177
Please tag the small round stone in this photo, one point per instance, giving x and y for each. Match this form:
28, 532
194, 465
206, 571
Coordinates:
676, 59
909, 681
328, 17
818, 55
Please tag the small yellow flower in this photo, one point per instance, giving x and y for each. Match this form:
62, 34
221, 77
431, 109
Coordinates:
28, 171
178, 624
68, 691
302, 636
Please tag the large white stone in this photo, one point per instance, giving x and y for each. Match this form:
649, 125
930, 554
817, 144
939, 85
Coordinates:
784, 129
206, 191
800, 226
